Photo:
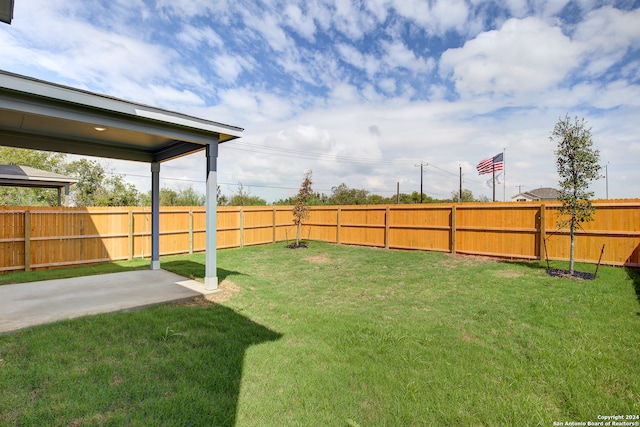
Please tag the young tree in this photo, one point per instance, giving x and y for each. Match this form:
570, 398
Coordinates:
577, 165
301, 208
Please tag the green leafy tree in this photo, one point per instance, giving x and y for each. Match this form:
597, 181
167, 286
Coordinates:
244, 198
577, 163
188, 196
315, 199
115, 191
182, 197
376, 199
90, 175
43, 160
168, 197
467, 196
301, 208
221, 199
343, 195
98, 187
412, 198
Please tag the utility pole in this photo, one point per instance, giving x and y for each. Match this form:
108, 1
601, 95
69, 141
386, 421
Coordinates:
398, 193
422, 164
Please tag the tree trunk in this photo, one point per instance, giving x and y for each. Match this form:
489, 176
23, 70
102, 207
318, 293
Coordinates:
298, 233
573, 243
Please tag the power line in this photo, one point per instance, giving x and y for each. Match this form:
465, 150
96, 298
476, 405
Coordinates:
287, 152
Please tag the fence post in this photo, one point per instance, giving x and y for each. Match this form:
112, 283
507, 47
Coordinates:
338, 226
543, 231
241, 228
453, 229
190, 231
274, 224
27, 240
386, 227
130, 233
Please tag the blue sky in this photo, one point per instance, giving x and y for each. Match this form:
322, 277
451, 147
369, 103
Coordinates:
359, 92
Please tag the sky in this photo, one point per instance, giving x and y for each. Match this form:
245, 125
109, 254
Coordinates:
359, 92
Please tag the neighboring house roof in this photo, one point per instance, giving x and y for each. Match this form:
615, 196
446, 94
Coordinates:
544, 193
25, 176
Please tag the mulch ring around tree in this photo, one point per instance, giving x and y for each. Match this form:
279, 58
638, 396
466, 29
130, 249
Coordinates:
555, 272
297, 246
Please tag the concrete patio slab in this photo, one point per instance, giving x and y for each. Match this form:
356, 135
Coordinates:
28, 304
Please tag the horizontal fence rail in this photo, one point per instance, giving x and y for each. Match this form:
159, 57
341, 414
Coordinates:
39, 238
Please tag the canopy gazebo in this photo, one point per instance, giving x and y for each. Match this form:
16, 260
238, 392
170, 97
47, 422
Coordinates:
25, 176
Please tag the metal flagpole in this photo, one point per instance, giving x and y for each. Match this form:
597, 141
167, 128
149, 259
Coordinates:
493, 168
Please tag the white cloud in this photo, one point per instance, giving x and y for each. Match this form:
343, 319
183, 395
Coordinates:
388, 85
269, 28
397, 54
525, 55
352, 21
608, 34
194, 36
379, 9
437, 17
167, 95
343, 93
449, 15
229, 67
301, 23
349, 54
192, 8
303, 138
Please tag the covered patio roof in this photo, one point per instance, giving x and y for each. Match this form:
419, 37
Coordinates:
40, 115
44, 116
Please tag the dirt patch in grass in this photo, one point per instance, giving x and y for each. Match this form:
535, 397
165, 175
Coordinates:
317, 259
227, 290
458, 260
509, 274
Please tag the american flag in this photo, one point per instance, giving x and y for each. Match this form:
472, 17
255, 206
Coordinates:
495, 163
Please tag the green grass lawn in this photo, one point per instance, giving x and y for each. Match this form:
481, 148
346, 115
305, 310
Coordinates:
341, 336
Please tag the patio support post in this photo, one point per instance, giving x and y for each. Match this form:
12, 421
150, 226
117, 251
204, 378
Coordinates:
211, 273
155, 216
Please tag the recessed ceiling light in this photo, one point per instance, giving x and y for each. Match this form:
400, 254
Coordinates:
100, 128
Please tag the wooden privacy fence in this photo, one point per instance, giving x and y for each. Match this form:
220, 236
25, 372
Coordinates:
36, 238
